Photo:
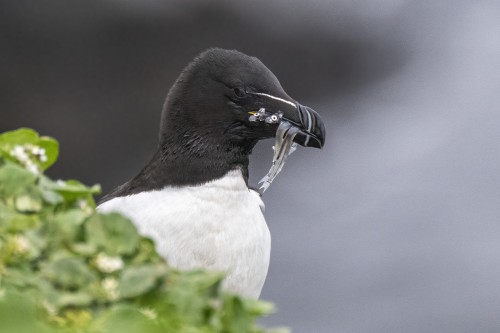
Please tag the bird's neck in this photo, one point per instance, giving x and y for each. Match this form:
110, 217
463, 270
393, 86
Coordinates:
194, 161
189, 161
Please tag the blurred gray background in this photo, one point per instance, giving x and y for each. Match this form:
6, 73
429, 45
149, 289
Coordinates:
393, 227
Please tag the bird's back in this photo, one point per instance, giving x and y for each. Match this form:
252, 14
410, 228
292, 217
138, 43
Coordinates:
217, 225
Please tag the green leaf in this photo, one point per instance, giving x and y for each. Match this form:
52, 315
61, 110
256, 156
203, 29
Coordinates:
49, 195
146, 252
259, 308
69, 272
7, 214
136, 281
51, 147
37, 241
200, 280
18, 277
17, 137
127, 318
18, 314
113, 233
79, 298
83, 249
22, 222
14, 179
29, 138
70, 189
74, 186
28, 203
69, 223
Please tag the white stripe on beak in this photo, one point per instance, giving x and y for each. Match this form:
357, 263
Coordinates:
309, 121
275, 98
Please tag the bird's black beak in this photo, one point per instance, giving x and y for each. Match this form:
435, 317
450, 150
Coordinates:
312, 128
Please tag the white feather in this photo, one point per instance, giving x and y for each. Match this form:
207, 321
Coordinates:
218, 225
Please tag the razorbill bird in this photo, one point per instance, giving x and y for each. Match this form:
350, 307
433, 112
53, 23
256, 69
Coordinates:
193, 198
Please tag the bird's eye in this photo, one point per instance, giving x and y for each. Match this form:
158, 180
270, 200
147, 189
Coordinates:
239, 92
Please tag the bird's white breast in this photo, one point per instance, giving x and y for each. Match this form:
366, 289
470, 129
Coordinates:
218, 225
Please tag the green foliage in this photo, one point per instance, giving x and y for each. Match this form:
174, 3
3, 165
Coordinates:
66, 268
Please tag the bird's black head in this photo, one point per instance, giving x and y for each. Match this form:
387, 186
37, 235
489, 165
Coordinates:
205, 128
215, 95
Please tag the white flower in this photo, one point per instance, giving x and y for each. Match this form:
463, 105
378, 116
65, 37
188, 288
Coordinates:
51, 310
108, 264
84, 206
19, 152
32, 167
110, 285
149, 313
38, 152
21, 244
216, 303
35, 150
60, 182
24, 154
